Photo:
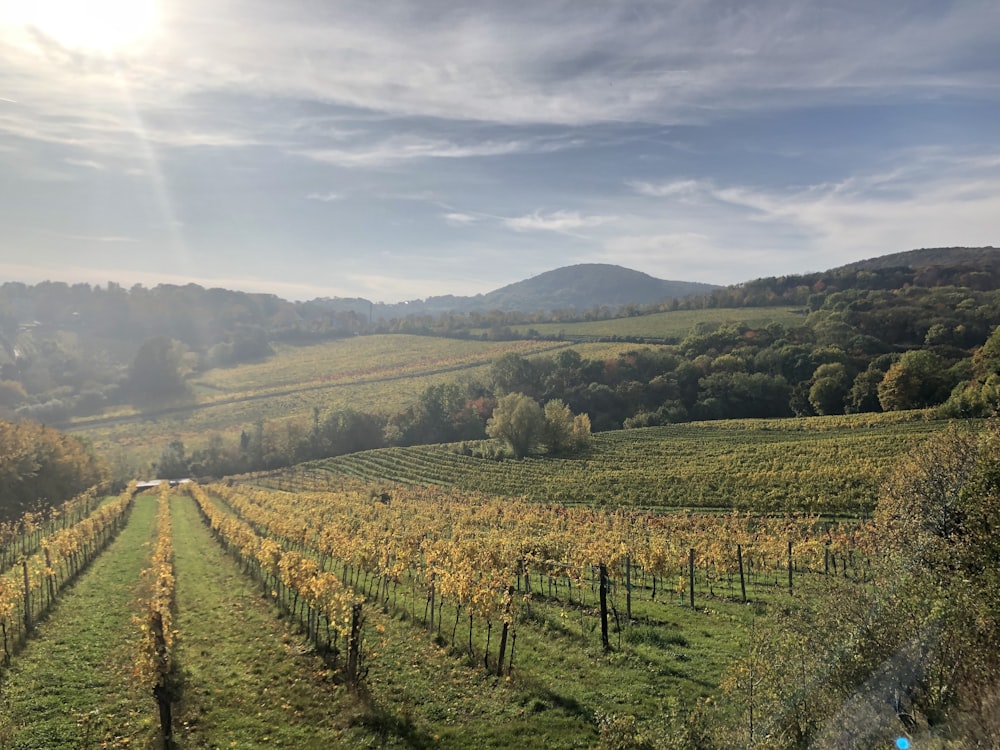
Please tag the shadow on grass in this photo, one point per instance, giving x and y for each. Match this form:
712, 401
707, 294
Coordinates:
388, 726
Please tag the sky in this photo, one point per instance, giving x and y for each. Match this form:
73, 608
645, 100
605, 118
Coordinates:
400, 149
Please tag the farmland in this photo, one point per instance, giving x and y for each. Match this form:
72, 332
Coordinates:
831, 465
643, 592
379, 374
423, 684
671, 326
374, 611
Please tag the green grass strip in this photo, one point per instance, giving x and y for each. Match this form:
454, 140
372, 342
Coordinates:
245, 681
70, 687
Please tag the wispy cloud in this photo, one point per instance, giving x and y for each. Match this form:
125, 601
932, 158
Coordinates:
458, 121
403, 148
103, 238
457, 219
670, 188
922, 198
86, 163
556, 221
528, 62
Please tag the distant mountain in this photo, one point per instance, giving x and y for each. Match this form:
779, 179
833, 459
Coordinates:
582, 287
587, 285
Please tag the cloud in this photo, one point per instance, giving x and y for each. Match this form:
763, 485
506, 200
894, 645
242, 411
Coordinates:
86, 163
457, 219
670, 188
105, 238
516, 63
404, 148
556, 221
566, 63
726, 233
330, 197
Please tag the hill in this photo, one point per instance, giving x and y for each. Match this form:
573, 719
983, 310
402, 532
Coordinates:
584, 286
580, 287
979, 258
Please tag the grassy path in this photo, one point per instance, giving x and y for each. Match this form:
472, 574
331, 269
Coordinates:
245, 680
70, 687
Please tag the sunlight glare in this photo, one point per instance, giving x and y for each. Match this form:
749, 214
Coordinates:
105, 26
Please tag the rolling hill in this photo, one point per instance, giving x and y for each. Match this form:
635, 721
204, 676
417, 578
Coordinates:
582, 287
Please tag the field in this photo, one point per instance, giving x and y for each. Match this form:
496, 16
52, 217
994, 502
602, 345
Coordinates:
670, 326
409, 598
376, 374
254, 622
426, 597
829, 465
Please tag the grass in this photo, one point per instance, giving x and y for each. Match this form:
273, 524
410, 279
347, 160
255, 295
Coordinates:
673, 326
378, 374
421, 691
245, 681
70, 687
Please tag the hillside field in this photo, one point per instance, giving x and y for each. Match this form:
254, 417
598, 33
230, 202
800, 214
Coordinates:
251, 652
673, 325
376, 374
829, 465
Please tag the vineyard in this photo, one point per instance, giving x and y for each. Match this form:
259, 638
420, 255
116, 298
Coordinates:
386, 614
298, 379
671, 326
817, 465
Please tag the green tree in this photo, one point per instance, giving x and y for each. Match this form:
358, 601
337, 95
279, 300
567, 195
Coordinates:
558, 435
156, 373
581, 432
938, 519
914, 382
41, 467
828, 389
512, 373
863, 396
173, 463
518, 420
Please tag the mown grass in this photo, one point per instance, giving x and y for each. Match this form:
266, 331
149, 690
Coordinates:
245, 680
673, 326
70, 688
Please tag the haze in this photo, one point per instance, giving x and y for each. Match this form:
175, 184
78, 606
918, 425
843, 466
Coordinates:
400, 150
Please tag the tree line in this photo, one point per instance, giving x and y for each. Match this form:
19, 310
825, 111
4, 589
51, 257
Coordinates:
939, 349
72, 350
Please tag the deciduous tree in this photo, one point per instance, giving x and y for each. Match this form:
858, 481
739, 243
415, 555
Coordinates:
519, 420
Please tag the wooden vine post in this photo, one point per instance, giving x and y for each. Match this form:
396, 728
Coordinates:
27, 597
605, 643
789, 566
504, 630
162, 689
691, 575
628, 588
739, 561
354, 647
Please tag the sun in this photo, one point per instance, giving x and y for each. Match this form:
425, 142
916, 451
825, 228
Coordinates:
102, 26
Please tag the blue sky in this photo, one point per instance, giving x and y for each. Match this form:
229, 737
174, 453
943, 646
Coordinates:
399, 149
